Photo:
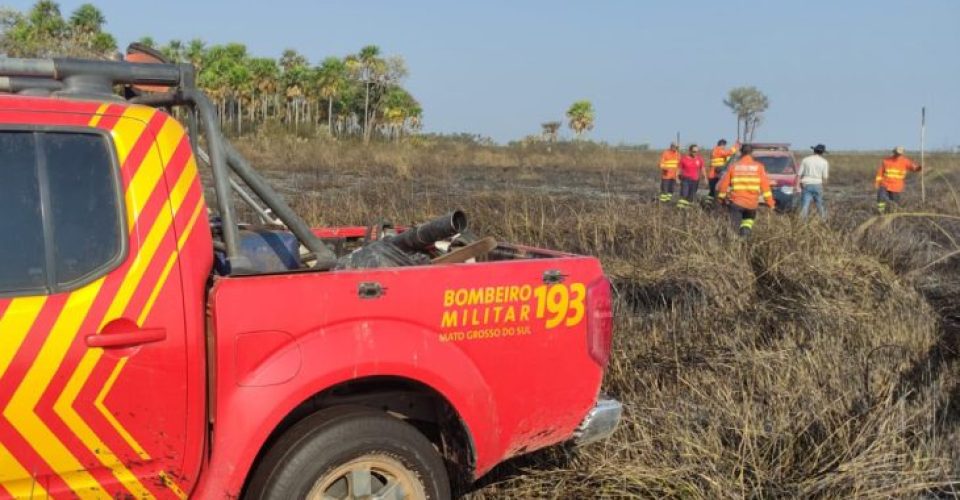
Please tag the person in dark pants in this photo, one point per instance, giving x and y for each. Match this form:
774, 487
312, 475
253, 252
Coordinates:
741, 186
669, 162
742, 219
691, 168
667, 187
886, 199
890, 178
718, 159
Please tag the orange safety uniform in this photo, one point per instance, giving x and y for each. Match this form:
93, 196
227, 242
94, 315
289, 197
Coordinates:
718, 158
746, 180
669, 161
893, 171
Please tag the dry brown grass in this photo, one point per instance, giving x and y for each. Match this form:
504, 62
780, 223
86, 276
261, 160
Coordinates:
814, 360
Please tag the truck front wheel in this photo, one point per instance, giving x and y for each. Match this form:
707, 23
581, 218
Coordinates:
348, 453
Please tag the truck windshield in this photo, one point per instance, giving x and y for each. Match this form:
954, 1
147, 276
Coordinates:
776, 164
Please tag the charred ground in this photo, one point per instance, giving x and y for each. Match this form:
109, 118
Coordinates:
813, 360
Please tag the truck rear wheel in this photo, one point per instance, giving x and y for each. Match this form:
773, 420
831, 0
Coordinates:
348, 453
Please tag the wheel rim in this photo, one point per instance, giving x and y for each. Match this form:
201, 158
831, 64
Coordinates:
370, 477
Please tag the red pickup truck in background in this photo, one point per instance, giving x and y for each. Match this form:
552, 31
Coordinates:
149, 349
782, 167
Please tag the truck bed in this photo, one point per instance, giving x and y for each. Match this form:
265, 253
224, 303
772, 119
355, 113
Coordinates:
505, 342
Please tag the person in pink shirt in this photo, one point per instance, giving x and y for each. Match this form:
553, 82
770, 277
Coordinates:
691, 168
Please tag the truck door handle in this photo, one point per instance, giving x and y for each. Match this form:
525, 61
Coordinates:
133, 337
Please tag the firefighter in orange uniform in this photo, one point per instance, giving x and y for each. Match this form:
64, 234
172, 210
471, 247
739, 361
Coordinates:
742, 185
669, 162
890, 176
718, 158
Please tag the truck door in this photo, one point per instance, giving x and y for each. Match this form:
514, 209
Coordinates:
92, 344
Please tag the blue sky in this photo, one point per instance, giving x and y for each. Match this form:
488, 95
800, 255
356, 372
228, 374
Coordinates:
852, 74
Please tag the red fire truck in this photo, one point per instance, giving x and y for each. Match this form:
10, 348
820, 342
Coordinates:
151, 346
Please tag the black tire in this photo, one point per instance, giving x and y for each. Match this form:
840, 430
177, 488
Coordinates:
320, 445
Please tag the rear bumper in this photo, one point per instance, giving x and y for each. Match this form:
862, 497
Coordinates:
599, 423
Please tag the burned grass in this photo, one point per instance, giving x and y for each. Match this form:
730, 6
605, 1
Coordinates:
813, 360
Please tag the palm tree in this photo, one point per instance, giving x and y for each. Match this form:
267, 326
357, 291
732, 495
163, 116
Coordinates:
194, 53
219, 64
581, 116
40, 32
331, 78
367, 67
46, 20
265, 73
400, 110
87, 19
86, 36
294, 77
292, 59
240, 80
174, 51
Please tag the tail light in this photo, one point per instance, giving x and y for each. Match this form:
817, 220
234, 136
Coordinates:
599, 321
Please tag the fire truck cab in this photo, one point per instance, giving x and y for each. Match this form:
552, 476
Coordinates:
152, 346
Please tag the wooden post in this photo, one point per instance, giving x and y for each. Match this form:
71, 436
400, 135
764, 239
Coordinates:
923, 134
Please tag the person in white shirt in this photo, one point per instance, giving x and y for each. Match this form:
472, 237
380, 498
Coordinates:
814, 171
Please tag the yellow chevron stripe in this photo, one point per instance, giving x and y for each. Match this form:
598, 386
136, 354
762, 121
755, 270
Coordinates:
127, 288
157, 287
87, 436
182, 188
126, 132
20, 411
10, 469
98, 403
168, 481
132, 280
169, 265
174, 487
169, 137
15, 325
143, 183
95, 120
128, 129
189, 229
18, 481
149, 248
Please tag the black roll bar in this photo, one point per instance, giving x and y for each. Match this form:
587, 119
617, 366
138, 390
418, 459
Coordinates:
86, 76
116, 72
14, 84
326, 259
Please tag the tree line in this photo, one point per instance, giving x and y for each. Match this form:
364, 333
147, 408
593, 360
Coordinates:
358, 95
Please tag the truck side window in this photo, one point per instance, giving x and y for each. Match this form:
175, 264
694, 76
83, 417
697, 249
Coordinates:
84, 206
60, 212
21, 229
